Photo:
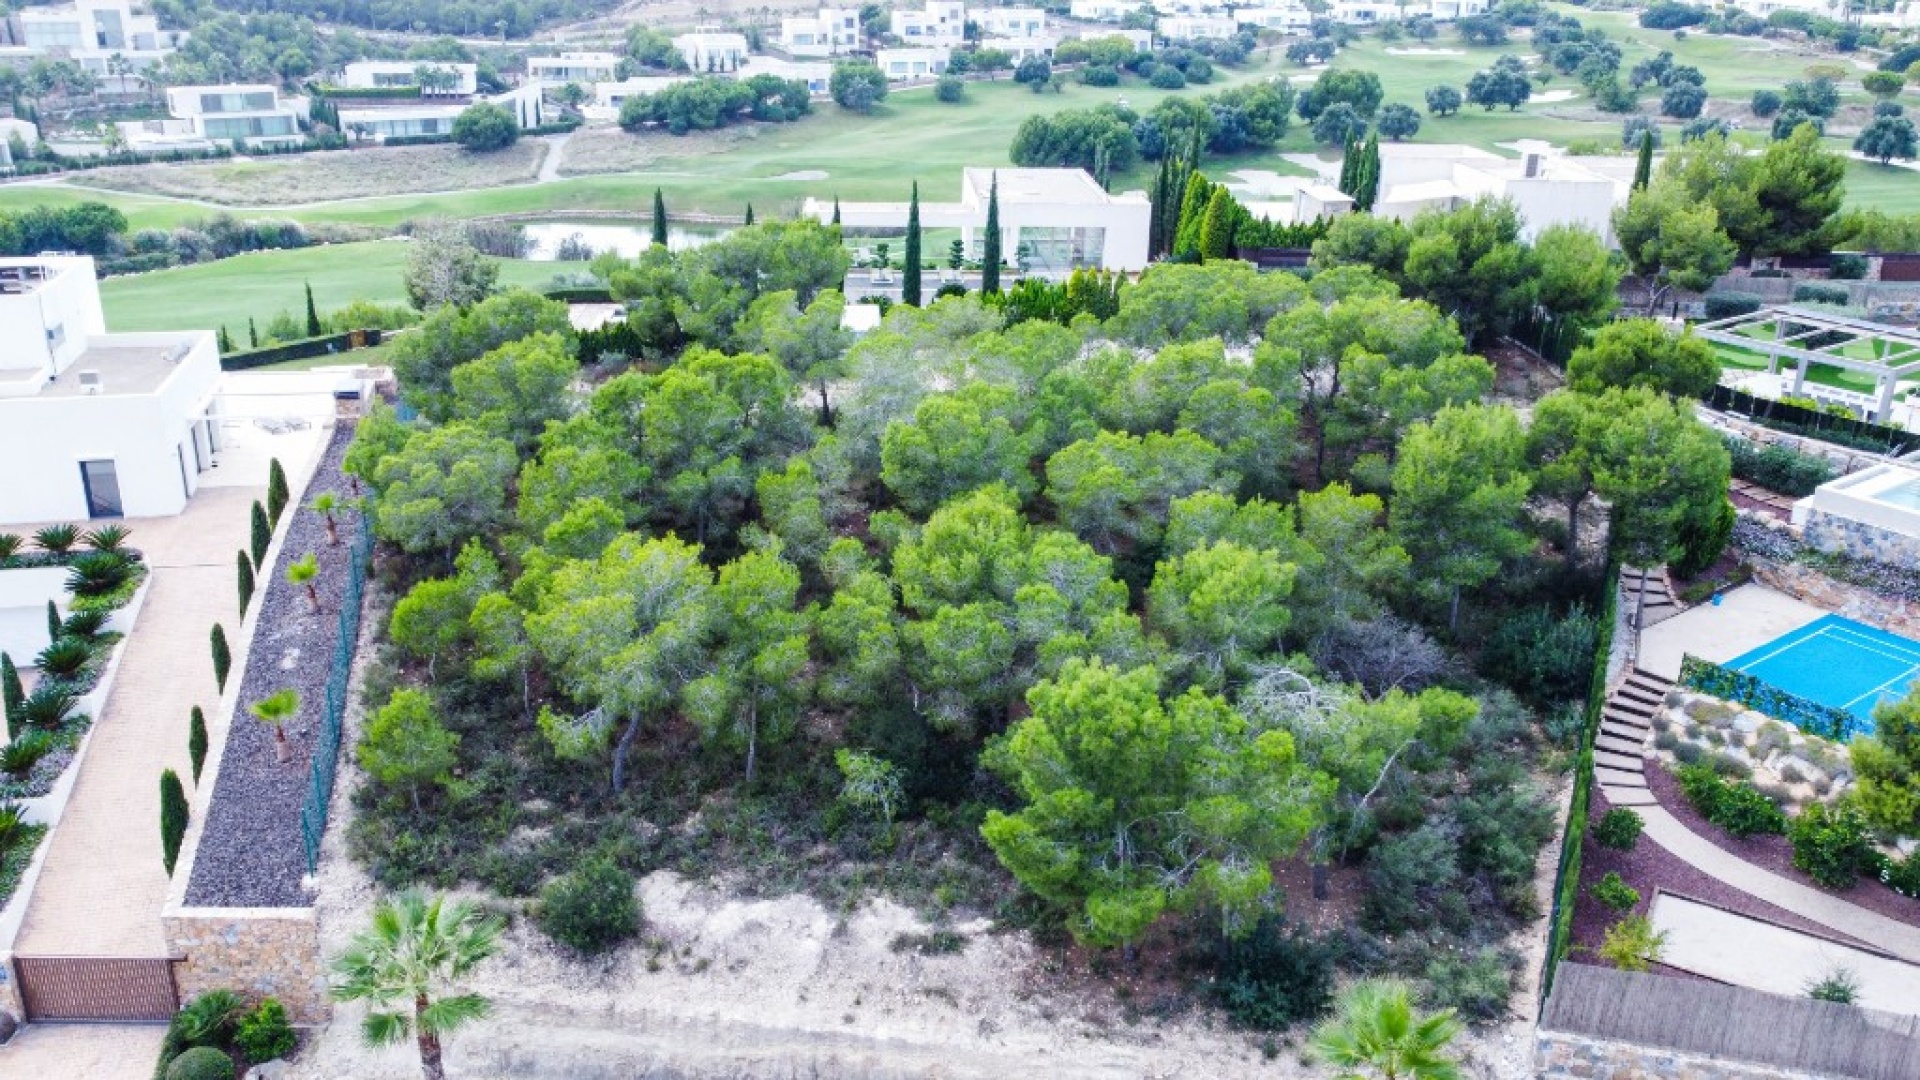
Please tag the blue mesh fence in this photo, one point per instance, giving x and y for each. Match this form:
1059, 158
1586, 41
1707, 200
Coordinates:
326, 750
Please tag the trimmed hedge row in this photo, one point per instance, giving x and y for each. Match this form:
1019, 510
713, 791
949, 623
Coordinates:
299, 350
1566, 885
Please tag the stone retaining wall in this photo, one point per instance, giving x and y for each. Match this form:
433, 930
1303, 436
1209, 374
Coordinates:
1559, 1056
254, 951
1849, 601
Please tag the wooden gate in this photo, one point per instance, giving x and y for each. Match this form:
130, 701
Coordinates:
120, 989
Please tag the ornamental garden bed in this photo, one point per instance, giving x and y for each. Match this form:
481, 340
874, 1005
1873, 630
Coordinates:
250, 852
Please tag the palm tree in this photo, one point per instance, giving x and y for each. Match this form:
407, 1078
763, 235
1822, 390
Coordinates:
414, 951
325, 504
275, 710
303, 572
1378, 1033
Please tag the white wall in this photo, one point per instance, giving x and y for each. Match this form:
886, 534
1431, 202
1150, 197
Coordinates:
67, 303
23, 609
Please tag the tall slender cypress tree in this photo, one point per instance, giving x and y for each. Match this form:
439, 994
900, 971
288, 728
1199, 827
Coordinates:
749, 220
173, 817
313, 317
197, 741
990, 247
1348, 163
1643, 168
12, 693
1367, 174
836, 211
659, 218
910, 281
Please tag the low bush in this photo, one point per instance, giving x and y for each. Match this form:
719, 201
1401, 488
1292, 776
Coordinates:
1615, 893
1542, 657
201, 1063
1847, 266
1739, 808
1808, 292
1619, 829
264, 1034
1476, 985
1632, 944
1725, 305
1778, 468
23, 753
1277, 976
1902, 875
1839, 986
592, 909
1832, 846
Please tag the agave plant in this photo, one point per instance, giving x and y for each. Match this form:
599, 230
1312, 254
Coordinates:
10, 544
47, 706
85, 624
65, 657
108, 538
22, 754
57, 538
98, 573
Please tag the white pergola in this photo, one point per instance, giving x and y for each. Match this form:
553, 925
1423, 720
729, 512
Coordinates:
1792, 326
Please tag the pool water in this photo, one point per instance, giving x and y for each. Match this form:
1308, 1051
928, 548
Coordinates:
1906, 496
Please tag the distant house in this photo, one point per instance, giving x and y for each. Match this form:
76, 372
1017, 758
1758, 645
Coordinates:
941, 24
455, 79
26, 131
202, 117
93, 424
1548, 188
1052, 221
817, 74
584, 68
710, 49
105, 37
384, 119
1011, 22
899, 64
1110, 11
827, 32
1195, 27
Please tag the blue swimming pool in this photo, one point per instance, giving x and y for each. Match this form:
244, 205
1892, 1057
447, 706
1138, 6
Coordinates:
1837, 662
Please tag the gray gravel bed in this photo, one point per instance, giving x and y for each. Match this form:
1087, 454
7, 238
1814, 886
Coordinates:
250, 853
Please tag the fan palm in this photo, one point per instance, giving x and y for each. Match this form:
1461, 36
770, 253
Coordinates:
325, 504
414, 953
1378, 1033
98, 573
275, 710
108, 537
65, 657
303, 572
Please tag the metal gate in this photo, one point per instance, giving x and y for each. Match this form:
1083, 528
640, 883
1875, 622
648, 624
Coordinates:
102, 988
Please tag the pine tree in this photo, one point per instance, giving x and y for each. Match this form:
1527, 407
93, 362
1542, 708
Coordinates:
197, 742
12, 694
222, 657
277, 492
659, 218
1643, 168
749, 219
910, 280
253, 335
314, 328
173, 817
246, 580
990, 253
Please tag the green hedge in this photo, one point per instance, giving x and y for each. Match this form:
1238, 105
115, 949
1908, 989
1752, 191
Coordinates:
416, 140
366, 92
581, 294
1566, 884
297, 350
1741, 688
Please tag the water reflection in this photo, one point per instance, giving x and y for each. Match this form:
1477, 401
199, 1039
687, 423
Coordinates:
546, 239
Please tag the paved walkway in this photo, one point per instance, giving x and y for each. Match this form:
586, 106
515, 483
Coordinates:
1746, 618
102, 885
1733, 948
1895, 937
60, 1051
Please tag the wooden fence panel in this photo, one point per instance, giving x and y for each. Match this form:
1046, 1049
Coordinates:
99, 988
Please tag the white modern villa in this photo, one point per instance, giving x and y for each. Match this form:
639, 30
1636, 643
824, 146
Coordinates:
827, 32
457, 79
95, 424
106, 37
573, 67
380, 120
1548, 187
1055, 220
201, 117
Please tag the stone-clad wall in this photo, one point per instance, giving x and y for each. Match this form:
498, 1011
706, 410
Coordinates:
1830, 532
254, 951
1559, 1056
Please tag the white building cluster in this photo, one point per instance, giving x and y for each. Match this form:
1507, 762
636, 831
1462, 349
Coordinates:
110, 38
93, 424
1178, 20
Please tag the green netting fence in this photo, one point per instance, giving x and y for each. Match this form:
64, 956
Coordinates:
326, 750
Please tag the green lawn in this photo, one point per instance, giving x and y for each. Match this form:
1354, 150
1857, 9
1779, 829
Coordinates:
257, 286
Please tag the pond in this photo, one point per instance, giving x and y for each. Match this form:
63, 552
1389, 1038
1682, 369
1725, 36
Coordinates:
627, 238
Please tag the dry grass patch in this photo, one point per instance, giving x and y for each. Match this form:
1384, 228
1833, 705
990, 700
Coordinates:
613, 150
332, 174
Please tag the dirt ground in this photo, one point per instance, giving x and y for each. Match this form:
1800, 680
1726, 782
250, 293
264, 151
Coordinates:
721, 987
613, 150
293, 179
679, 15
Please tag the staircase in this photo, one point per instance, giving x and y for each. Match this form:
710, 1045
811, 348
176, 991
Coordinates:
1660, 602
1626, 726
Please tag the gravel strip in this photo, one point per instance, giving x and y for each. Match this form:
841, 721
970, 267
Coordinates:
250, 853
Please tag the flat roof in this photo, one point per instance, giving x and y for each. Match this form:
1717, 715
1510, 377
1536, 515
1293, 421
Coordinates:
1455, 151
124, 369
1038, 185
22, 277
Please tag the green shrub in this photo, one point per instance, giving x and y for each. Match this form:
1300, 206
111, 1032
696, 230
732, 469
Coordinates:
1541, 657
209, 1020
173, 817
246, 581
22, 754
197, 741
592, 909
261, 535
1619, 829
277, 492
201, 1063
1725, 305
1703, 536
85, 624
1738, 808
264, 1034
65, 657
1277, 976
1615, 893
108, 538
49, 706
1841, 986
1808, 292
1477, 985
1778, 468
1727, 765
1847, 266
1902, 875
1632, 944
56, 538
222, 656
1832, 846
13, 695
99, 573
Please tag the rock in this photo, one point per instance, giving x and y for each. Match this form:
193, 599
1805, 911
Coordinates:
8, 1025
271, 1070
1748, 723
